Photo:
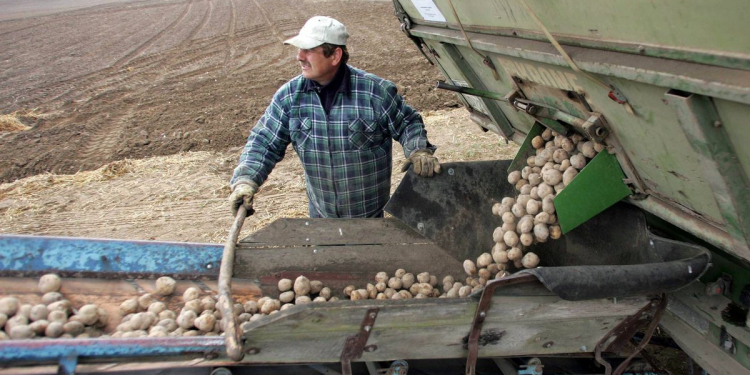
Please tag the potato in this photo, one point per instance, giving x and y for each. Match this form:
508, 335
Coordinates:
54, 330
286, 297
193, 305
49, 283
169, 324
407, 280
50, 297
301, 300
381, 296
578, 161
287, 306
497, 234
57, 316
518, 264
186, 320
484, 273
372, 292
569, 175
405, 294
381, 277
552, 177
525, 224
38, 312
464, 291
129, 306
508, 227
208, 303
448, 280
73, 328
319, 299
316, 286
397, 296
414, 290
39, 327
514, 254
514, 177
587, 149
389, 292
156, 307
349, 288
167, 314
518, 210
87, 314
526, 239
380, 287
423, 277
19, 332
484, 260
9, 306
500, 256
301, 286
544, 190
555, 232
206, 323
541, 232
399, 273
530, 260
190, 294
510, 238
356, 295
394, 282
165, 286
469, 267
521, 183
433, 280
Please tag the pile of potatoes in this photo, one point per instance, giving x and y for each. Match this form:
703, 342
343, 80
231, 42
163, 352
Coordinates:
402, 285
54, 317
530, 217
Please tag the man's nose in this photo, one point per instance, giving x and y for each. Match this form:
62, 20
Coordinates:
300, 55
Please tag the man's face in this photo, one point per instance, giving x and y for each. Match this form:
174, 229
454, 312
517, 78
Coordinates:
316, 66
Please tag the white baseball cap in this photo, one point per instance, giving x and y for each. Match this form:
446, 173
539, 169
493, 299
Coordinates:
319, 30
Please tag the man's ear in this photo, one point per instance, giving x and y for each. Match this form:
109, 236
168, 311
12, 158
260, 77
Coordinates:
337, 54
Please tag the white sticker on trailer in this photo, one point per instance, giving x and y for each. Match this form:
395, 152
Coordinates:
428, 10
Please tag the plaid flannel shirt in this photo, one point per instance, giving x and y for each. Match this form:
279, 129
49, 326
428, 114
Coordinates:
346, 155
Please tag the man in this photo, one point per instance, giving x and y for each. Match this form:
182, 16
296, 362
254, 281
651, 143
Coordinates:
341, 122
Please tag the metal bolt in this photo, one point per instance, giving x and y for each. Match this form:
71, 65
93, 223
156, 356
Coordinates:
307, 223
451, 171
372, 315
368, 328
209, 266
420, 226
548, 344
584, 348
315, 251
717, 124
371, 348
641, 49
482, 314
252, 351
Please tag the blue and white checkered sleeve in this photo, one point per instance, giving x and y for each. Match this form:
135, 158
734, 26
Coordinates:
266, 144
404, 123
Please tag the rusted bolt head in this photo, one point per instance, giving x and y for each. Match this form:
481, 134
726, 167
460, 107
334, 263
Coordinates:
371, 348
548, 344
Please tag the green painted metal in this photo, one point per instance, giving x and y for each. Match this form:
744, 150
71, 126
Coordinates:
689, 30
598, 186
526, 149
725, 83
494, 110
470, 91
703, 127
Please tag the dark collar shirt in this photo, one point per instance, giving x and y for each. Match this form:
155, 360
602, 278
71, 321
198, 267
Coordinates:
345, 150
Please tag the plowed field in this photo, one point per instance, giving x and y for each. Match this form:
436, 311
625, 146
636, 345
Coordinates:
145, 78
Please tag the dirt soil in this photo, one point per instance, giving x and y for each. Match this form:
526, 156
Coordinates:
146, 78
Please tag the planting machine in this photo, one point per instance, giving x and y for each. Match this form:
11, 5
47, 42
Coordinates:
656, 228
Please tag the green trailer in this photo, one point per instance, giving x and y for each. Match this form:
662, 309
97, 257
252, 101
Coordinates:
665, 86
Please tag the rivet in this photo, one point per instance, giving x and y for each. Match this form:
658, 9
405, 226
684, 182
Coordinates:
315, 251
307, 240
252, 351
209, 266
584, 348
368, 328
420, 226
717, 124
482, 314
371, 348
307, 223
451, 171
548, 344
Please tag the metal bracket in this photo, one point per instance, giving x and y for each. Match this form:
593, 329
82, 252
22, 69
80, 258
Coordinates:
721, 287
68, 364
595, 127
626, 330
355, 345
485, 300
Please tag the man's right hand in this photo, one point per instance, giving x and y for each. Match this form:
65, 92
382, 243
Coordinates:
242, 195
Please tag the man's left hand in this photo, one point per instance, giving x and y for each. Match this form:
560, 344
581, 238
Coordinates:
425, 164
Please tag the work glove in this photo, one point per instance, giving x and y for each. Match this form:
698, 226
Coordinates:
242, 194
425, 164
